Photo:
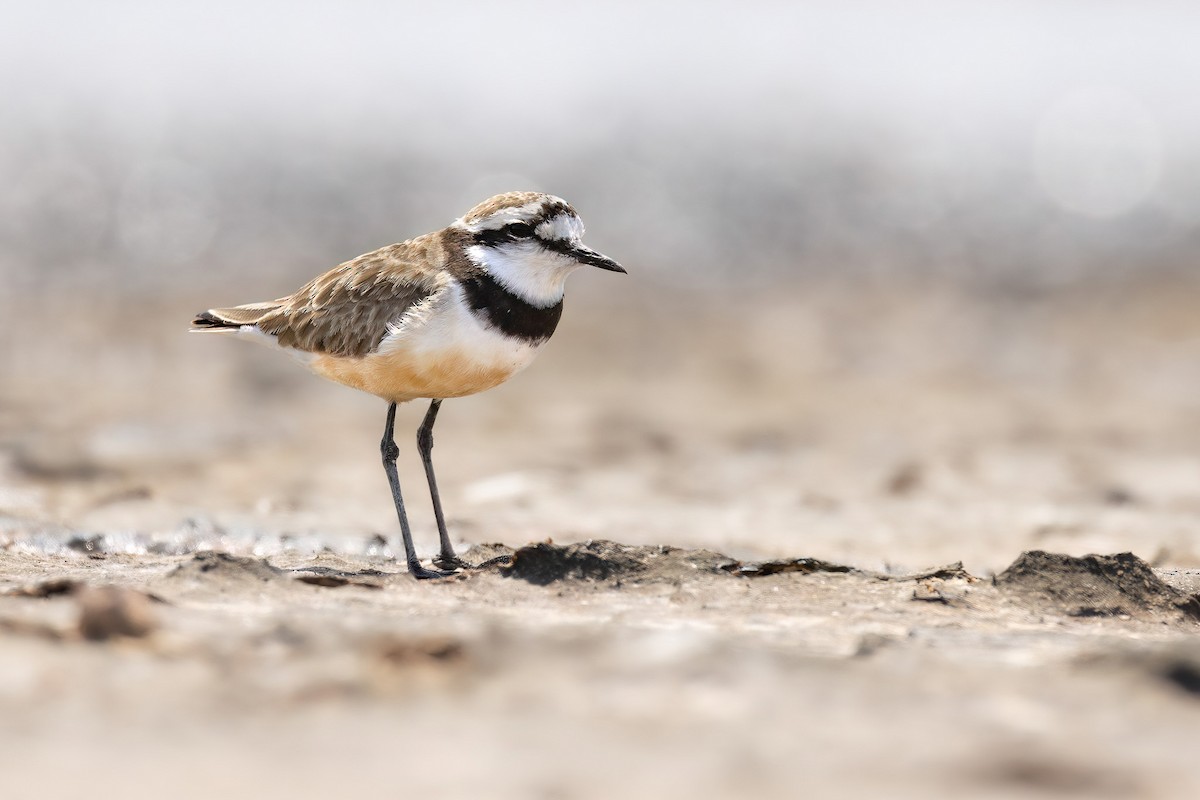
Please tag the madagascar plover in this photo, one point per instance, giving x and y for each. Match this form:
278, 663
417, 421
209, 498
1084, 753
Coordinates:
447, 314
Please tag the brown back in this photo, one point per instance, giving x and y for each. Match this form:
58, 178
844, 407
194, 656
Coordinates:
346, 311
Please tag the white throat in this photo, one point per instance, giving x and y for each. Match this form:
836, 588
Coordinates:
526, 269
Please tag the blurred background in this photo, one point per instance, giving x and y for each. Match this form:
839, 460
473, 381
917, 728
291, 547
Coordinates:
907, 282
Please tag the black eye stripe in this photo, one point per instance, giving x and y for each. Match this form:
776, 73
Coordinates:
558, 246
491, 237
512, 232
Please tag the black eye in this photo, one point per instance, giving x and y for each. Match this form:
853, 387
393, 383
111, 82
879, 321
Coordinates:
519, 230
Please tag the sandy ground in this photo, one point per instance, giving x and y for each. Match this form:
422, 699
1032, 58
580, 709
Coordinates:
823, 457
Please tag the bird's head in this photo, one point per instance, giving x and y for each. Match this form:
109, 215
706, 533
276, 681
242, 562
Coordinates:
529, 242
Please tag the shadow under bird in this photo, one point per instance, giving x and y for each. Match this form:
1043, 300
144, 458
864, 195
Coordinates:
447, 314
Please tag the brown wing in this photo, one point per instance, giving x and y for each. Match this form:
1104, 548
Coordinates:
346, 311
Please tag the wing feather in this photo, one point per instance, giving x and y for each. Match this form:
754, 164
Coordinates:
348, 310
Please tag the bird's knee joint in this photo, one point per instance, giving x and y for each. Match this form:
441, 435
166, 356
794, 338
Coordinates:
389, 451
424, 440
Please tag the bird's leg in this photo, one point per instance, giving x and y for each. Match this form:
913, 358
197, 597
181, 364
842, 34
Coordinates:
390, 452
446, 558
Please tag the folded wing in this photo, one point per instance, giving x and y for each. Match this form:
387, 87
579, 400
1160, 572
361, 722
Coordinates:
348, 310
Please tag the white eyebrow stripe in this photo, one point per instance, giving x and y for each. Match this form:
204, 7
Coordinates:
505, 216
561, 226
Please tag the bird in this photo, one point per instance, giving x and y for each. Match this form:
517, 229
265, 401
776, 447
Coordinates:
447, 314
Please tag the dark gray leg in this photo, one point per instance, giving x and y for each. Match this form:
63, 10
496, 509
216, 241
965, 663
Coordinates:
390, 452
446, 558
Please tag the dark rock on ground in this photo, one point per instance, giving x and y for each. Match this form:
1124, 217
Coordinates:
1095, 586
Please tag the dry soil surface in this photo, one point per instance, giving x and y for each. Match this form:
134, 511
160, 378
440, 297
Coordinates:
854, 533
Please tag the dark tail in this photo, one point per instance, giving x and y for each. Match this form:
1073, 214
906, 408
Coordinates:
206, 320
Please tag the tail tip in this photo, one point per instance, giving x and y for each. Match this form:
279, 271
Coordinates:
206, 320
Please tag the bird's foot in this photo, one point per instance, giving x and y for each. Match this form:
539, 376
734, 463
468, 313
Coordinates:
450, 562
454, 562
421, 573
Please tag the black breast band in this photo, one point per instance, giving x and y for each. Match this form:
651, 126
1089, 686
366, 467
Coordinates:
508, 313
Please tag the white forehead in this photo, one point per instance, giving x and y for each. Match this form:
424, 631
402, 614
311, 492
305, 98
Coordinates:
561, 226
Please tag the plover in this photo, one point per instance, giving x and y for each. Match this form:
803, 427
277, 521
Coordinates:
447, 314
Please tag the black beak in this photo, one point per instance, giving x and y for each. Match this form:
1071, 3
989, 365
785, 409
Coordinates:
585, 255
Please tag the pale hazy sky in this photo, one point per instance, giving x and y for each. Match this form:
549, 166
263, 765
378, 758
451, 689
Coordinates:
949, 110
917, 64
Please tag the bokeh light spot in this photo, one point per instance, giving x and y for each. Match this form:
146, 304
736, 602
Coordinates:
1097, 153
